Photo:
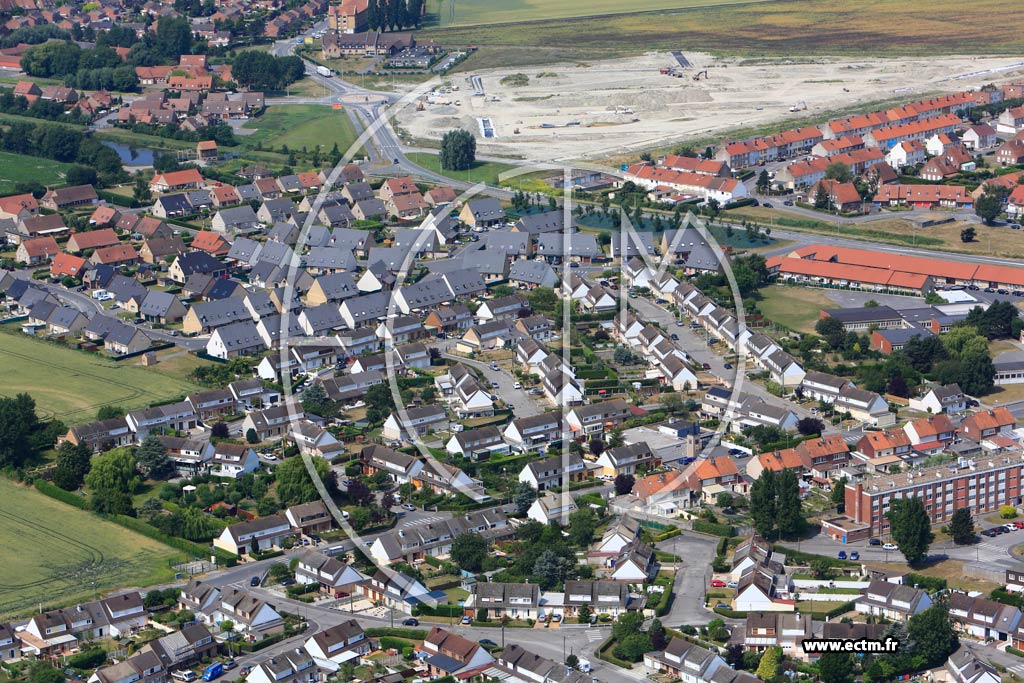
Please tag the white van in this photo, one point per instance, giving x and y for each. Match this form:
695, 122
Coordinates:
185, 675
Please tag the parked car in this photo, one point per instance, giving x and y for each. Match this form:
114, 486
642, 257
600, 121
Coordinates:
675, 337
732, 584
717, 583
723, 605
727, 366
556, 618
467, 620
487, 642
517, 385
766, 205
890, 546
411, 622
409, 506
842, 555
854, 555
874, 541
254, 581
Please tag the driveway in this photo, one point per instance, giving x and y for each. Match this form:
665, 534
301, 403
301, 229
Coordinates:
697, 553
521, 403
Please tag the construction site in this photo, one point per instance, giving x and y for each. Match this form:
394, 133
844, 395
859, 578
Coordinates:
610, 108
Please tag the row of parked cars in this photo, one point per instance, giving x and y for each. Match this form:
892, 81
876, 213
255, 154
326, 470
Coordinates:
1004, 529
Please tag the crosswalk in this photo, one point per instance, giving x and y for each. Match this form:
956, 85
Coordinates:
595, 634
422, 520
989, 552
1018, 670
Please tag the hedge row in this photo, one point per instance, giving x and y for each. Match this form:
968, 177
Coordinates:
410, 633
705, 527
604, 652
931, 584
133, 524
671, 532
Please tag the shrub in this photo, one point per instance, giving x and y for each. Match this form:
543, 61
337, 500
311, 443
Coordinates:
1007, 511
713, 528
90, 659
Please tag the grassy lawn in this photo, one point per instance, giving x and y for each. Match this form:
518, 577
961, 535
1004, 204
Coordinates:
797, 308
301, 125
72, 385
15, 168
72, 554
482, 171
474, 12
784, 27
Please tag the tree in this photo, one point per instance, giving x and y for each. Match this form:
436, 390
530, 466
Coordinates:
788, 508
768, 669
821, 198
251, 436
764, 182
961, 527
932, 635
582, 524
359, 491
458, 150
73, 464
671, 403
624, 484
659, 638
17, 422
835, 667
968, 234
524, 497
294, 484
220, 430
832, 330
762, 503
724, 500
839, 491
911, 529
810, 425
839, 172
551, 568
151, 457
315, 399
734, 655
469, 551
112, 480
988, 206
822, 567
43, 672
195, 526
583, 614
633, 647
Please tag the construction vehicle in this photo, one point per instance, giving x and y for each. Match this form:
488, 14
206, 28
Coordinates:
697, 76
665, 71
799, 106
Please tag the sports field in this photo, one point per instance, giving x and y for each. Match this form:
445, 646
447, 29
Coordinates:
475, 12
781, 28
55, 554
72, 385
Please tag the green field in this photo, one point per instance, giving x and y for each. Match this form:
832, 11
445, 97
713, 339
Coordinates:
301, 125
797, 308
777, 28
15, 168
72, 385
482, 171
475, 12
56, 554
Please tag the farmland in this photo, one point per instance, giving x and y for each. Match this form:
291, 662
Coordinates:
474, 12
299, 126
72, 385
72, 553
780, 28
15, 168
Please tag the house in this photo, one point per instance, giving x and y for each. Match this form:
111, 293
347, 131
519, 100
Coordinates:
118, 256
526, 433
941, 399
414, 422
261, 533
629, 459
552, 508
235, 339
787, 631
979, 136
66, 265
841, 197
983, 619
553, 472
235, 220
988, 423
1011, 152
449, 654
195, 262
501, 600
159, 249
94, 239
595, 418
37, 250
894, 601
482, 213
309, 518
335, 577
174, 181
211, 243
69, 197
965, 666
338, 644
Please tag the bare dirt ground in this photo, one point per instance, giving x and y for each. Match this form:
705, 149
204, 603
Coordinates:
601, 109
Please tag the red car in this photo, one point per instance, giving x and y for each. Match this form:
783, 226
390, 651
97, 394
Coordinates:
717, 583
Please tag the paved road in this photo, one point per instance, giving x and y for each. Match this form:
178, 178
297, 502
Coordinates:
692, 577
522, 404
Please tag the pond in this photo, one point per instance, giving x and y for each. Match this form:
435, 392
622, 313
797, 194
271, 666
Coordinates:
131, 155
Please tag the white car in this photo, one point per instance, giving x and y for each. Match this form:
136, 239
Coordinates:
890, 546
517, 385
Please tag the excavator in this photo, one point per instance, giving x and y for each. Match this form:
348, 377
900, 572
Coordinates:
697, 76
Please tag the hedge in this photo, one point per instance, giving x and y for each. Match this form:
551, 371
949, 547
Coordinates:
749, 201
410, 633
56, 492
136, 525
604, 652
931, 584
807, 558
671, 532
705, 527
432, 561
392, 642
731, 614
90, 659
439, 611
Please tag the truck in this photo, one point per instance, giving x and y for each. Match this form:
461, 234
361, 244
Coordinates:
324, 71
213, 671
